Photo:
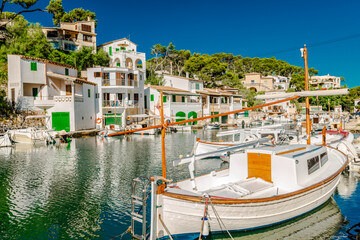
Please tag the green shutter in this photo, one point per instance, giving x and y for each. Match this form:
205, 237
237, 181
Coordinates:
117, 49
164, 99
174, 98
118, 64
113, 120
66, 71
183, 99
152, 97
197, 86
33, 66
110, 51
88, 92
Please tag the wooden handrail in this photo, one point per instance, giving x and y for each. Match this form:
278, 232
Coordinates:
203, 118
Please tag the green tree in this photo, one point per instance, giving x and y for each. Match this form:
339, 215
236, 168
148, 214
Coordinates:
56, 8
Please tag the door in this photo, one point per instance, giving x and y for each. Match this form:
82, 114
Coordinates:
224, 119
60, 121
136, 98
68, 90
259, 166
35, 92
13, 96
216, 119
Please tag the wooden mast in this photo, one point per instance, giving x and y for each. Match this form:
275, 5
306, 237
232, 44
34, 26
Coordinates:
163, 129
307, 103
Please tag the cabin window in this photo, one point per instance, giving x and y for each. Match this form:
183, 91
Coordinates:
323, 158
313, 164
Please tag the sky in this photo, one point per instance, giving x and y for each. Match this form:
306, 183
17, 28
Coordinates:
256, 28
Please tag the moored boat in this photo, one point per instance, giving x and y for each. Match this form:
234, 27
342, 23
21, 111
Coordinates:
261, 187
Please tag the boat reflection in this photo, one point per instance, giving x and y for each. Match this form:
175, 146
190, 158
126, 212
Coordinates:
321, 223
348, 183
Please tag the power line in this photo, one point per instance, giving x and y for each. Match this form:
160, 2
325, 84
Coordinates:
313, 45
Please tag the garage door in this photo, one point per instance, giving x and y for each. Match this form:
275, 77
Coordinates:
61, 121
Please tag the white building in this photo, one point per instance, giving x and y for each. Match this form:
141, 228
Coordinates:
326, 81
41, 85
281, 82
123, 53
179, 104
184, 83
120, 93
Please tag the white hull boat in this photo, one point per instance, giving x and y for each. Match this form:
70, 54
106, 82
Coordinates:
31, 136
5, 141
261, 187
212, 126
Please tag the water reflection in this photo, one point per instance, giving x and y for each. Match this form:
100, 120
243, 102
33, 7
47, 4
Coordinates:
82, 190
321, 223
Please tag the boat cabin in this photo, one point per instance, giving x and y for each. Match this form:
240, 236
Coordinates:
264, 172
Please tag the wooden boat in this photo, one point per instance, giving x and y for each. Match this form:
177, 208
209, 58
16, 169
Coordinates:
261, 187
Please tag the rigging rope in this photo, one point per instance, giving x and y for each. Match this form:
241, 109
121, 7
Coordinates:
218, 218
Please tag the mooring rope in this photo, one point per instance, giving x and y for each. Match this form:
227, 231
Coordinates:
219, 218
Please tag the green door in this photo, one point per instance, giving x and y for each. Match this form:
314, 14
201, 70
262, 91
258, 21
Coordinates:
215, 119
224, 119
181, 117
35, 92
60, 121
192, 115
113, 120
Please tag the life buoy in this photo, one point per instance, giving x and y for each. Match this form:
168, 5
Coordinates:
98, 120
128, 118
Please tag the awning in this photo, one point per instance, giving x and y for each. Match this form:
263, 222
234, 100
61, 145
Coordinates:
69, 78
180, 93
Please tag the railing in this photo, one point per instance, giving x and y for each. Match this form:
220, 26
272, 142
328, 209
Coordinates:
120, 82
63, 98
133, 83
119, 103
106, 82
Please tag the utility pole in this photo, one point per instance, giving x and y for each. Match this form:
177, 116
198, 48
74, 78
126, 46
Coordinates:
307, 103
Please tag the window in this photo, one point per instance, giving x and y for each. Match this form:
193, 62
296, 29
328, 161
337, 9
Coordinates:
66, 71
173, 98
97, 74
197, 86
122, 48
136, 98
323, 158
106, 75
35, 92
265, 82
87, 38
152, 97
51, 34
183, 99
164, 99
33, 66
88, 93
313, 164
252, 81
85, 28
69, 47
110, 51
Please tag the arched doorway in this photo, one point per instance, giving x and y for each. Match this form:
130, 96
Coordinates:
116, 63
192, 115
138, 64
181, 116
129, 63
253, 89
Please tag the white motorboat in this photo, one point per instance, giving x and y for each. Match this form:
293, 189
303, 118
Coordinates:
5, 141
212, 126
31, 135
261, 187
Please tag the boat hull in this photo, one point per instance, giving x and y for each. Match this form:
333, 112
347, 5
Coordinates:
184, 217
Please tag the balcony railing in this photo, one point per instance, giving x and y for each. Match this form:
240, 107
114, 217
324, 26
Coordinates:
119, 103
121, 82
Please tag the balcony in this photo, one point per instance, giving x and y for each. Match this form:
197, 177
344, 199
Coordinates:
120, 82
44, 102
119, 104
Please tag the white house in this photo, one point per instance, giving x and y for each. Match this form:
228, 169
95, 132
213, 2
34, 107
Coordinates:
184, 83
179, 104
123, 53
120, 93
281, 82
325, 81
41, 85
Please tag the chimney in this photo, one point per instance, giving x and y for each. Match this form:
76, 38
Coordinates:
88, 18
187, 74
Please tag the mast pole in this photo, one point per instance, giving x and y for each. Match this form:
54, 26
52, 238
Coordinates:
307, 103
163, 129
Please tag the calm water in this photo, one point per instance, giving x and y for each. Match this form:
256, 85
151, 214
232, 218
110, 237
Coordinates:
82, 190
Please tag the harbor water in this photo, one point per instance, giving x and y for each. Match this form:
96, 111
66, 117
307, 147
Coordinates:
81, 190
